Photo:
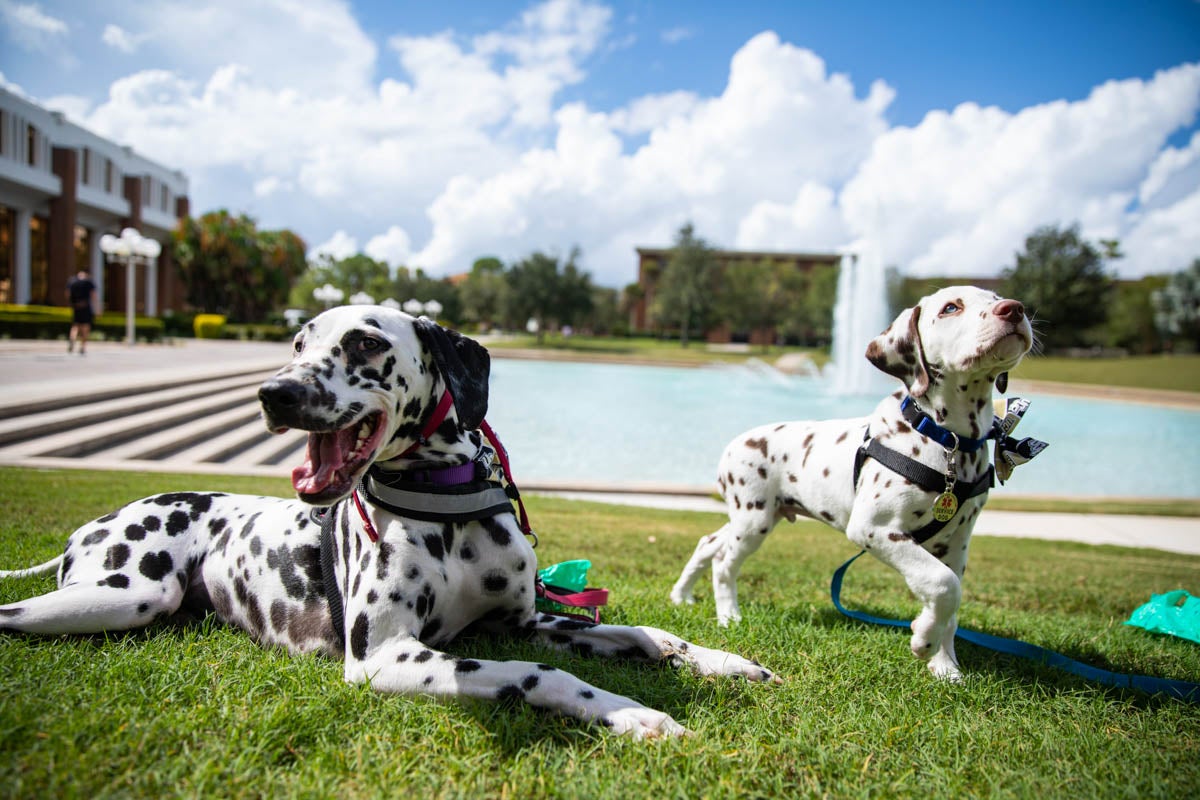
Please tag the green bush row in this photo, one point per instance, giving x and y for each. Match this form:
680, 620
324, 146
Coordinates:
263, 332
53, 322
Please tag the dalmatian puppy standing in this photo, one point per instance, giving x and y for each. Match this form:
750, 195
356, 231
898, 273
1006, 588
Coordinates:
420, 543
884, 479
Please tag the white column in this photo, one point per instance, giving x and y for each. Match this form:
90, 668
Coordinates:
22, 255
96, 263
152, 287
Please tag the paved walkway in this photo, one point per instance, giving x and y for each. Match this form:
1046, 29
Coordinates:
41, 371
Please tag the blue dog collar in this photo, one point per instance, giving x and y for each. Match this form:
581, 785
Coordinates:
924, 425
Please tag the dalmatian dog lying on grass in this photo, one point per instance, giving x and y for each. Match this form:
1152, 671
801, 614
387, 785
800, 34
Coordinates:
419, 544
889, 479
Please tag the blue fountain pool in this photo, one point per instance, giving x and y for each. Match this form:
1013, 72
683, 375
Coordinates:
610, 423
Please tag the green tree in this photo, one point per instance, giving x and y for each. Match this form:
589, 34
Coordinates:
684, 295
811, 298
1063, 282
1131, 317
543, 290
230, 267
484, 293
1177, 306
758, 296
353, 274
424, 287
604, 318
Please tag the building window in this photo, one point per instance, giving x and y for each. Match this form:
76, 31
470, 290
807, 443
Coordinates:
86, 171
5, 144
109, 176
7, 232
31, 145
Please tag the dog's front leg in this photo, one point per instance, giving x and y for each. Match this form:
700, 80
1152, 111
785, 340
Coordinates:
644, 644
933, 583
953, 553
407, 666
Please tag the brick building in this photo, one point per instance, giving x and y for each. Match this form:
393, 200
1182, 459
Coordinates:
63, 187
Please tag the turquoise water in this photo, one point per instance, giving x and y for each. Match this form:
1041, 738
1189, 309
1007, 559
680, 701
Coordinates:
626, 424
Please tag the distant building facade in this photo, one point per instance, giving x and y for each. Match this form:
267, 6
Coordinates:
652, 262
62, 188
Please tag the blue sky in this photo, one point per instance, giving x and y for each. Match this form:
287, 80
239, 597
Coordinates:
432, 133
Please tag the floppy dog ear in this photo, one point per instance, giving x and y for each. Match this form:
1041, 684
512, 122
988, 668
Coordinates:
465, 366
898, 352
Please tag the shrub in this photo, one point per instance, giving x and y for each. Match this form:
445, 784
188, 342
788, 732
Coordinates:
53, 322
209, 326
262, 332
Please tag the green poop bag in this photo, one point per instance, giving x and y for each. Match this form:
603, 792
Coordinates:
569, 575
1176, 613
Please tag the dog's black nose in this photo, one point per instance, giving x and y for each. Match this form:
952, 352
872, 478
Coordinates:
279, 394
1009, 310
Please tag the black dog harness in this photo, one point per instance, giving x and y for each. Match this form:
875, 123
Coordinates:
476, 490
927, 477
414, 494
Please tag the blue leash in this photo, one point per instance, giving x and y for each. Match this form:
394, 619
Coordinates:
1182, 690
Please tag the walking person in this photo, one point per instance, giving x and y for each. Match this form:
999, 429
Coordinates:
81, 294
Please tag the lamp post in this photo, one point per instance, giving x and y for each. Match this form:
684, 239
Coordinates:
433, 308
361, 299
328, 295
413, 306
130, 249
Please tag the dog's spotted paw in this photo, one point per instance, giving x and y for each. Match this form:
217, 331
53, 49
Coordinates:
944, 669
718, 662
682, 598
640, 723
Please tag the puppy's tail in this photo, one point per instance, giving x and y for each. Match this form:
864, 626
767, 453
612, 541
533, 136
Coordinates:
40, 569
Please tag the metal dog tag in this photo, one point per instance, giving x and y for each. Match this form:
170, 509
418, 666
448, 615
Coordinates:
945, 507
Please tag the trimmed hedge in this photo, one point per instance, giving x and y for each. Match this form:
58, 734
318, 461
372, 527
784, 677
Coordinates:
54, 322
209, 326
259, 332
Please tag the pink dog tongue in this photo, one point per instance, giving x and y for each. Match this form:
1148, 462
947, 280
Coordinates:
322, 460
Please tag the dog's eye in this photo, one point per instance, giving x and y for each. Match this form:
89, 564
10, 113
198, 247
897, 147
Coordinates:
297, 347
369, 344
950, 308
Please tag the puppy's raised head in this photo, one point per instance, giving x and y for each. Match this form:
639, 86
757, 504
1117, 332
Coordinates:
956, 332
363, 381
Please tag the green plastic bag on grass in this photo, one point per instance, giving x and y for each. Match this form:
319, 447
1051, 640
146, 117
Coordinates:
570, 575
1176, 613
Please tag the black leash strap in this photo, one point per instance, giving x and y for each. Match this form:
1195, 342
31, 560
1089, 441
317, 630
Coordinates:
333, 594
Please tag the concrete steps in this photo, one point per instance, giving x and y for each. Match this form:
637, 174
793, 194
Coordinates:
208, 423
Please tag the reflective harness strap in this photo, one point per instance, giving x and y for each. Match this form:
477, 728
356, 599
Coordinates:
432, 503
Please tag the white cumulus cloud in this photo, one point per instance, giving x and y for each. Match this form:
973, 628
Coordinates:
31, 27
391, 247
340, 245
437, 149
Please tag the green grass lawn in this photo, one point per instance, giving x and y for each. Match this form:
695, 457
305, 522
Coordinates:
198, 710
1175, 372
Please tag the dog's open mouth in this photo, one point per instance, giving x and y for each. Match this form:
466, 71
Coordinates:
335, 460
